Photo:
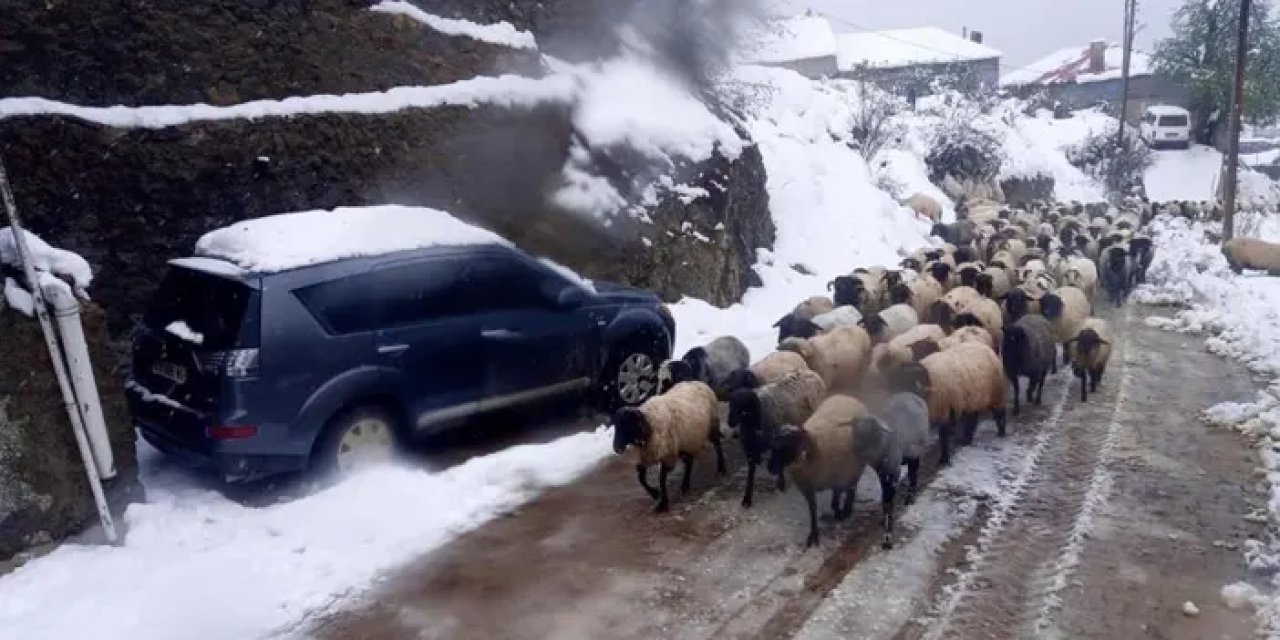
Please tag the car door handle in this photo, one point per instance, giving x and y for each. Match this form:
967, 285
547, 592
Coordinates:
392, 349
499, 334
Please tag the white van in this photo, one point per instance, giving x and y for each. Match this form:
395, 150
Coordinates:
1166, 125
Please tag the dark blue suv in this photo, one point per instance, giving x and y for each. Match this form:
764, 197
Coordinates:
254, 374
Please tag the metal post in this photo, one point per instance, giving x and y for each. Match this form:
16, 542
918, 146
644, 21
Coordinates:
1130, 9
55, 356
1237, 113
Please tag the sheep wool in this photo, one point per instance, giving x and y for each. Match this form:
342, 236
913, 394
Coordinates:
840, 357
1082, 274
829, 462
682, 422
965, 335
777, 365
1251, 253
897, 351
813, 307
963, 382
844, 316
891, 322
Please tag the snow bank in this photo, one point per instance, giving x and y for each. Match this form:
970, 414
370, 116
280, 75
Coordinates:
59, 262
1184, 175
198, 566
1241, 316
629, 102
502, 33
292, 240
1038, 145
508, 91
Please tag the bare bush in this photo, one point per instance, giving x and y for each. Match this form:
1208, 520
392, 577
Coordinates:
1119, 164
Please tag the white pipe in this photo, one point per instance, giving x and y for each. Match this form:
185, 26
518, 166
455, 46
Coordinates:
59, 368
66, 310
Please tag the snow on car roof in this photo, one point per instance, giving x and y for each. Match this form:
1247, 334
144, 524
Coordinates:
1167, 110
292, 240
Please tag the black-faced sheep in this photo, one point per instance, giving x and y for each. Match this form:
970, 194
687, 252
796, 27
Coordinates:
1090, 351
860, 290
897, 434
1142, 252
993, 282
955, 301
800, 321
757, 414
890, 323
1029, 351
820, 456
958, 384
966, 274
768, 370
712, 364
677, 425
1067, 308
840, 357
1251, 253
984, 313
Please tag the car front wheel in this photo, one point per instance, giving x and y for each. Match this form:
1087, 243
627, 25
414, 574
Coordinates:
631, 376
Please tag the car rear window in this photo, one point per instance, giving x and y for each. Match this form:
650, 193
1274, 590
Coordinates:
1173, 121
223, 311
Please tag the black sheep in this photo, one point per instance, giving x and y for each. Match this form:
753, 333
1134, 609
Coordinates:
1028, 351
1115, 274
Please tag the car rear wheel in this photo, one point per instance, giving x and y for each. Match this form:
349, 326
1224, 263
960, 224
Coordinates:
631, 375
356, 440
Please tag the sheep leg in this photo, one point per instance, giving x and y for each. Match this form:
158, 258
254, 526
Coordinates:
970, 427
944, 441
1095, 377
888, 490
1066, 355
1040, 388
782, 483
1031, 387
811, 500
715, 442
663, 503
1017, 404
836, 511
913, 478
1084, 386
850, 493
642, 473
751, 485
688, 473
1000, 415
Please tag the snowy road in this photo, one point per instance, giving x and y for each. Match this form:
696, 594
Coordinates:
1096, 520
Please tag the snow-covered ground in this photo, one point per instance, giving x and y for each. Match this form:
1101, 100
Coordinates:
502, 33
1241, 317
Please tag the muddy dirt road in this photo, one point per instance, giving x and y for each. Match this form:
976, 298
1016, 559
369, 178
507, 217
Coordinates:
1094, 520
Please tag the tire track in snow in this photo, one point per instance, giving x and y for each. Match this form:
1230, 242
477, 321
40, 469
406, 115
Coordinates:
1030, 543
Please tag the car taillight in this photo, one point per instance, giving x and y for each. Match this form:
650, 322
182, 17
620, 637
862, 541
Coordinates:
236, 363
231, 432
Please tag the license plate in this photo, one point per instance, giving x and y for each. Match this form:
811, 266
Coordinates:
169, 371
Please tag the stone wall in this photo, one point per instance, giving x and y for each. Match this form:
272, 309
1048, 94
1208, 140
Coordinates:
44, 495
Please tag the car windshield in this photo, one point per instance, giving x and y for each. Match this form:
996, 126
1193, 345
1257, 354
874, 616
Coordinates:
213, 308
1173, 121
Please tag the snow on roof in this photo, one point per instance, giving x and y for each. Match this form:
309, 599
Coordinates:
59, 262
292, 240
508, 90
801, 37
907, 47
502, 33
1064, 65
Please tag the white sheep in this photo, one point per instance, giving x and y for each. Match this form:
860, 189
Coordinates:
755, 415
843, 316
1081, 273
677, 425
840, 357
1251, 253
820, 456
958, 384
967, 334
890, 323
925, 207
712, 364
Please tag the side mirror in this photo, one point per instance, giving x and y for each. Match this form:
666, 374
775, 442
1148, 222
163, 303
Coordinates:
571, 297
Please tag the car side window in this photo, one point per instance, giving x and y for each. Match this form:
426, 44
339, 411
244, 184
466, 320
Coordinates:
505, 284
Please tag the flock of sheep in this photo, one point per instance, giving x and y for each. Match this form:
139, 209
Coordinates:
862, 378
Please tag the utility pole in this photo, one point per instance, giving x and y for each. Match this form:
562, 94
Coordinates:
1237, 113
1130, 17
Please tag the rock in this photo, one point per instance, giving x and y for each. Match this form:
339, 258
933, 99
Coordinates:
1239, 595
1190, 609
44, 496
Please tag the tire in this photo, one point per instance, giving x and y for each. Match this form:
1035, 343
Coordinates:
356, 439
631, 373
